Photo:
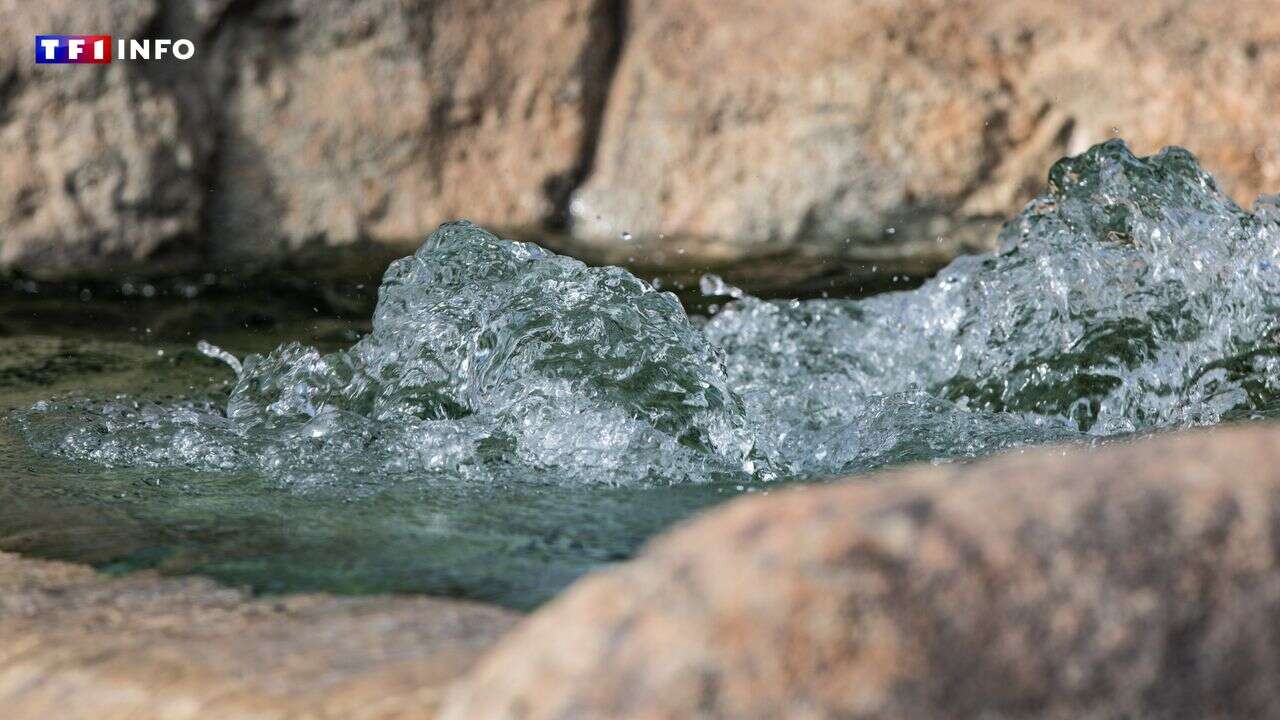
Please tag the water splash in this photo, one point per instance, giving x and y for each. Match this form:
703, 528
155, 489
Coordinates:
208, 349
488, 359
1132, 296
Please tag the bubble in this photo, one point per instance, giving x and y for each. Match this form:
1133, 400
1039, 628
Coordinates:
1132, 296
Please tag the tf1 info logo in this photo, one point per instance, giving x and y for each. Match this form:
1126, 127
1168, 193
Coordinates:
97, 49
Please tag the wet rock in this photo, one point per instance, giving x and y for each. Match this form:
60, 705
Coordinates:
74, 644
1140, 580
901, 133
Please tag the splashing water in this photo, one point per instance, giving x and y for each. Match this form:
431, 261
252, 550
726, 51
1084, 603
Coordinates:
1132, 296
516, 418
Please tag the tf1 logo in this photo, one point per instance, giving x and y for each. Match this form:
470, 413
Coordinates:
97, 49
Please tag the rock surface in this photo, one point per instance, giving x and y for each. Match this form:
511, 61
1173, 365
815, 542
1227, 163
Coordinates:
98, 167
74, 644
379, 121
298, 123
829, 134
904, 131
1141, 580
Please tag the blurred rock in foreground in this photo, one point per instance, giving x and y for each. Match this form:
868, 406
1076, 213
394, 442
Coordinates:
1140, 580
816, 136
75, 644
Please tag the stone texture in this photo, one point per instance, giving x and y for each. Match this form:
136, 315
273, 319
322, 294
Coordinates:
377, 122
74, 644
756, 129
816, 137
1140, 580
97, 168
299, 124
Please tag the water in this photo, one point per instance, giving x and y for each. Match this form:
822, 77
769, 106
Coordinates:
514, 418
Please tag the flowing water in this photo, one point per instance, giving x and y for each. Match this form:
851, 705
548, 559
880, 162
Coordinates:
515, 418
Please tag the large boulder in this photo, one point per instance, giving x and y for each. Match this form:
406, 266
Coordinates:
298, 124
901, 132
75, 644
1139, 580
98, 168
379, 121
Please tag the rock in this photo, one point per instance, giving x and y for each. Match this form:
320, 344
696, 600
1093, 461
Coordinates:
777, 142
297, 124
98, 169
75, 644
379, 122
1139, 580
902, 132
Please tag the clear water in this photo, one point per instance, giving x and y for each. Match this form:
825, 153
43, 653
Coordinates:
515, 417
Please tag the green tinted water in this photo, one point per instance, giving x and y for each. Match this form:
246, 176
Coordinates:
515, 544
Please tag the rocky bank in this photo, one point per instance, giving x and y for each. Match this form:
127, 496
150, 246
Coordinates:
893, 133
